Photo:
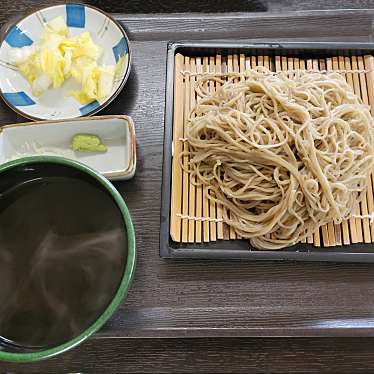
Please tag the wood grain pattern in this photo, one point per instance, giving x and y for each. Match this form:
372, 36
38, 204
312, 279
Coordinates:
161, 283
232, 355
316, 25
180, 299
11, 8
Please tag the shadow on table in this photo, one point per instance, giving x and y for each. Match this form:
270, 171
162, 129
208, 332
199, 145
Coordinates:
125, 101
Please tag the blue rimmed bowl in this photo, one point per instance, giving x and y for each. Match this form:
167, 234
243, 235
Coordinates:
56, 103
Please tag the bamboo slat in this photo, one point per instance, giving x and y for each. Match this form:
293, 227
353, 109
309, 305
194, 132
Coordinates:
345, 223
241, 70
369, 208
335, 230
192, 186
312, 65
300, 64
176, 182
247, 62
369, 65
254, 61
266, 63
233, 66
205, 191
212, 204
364, 231
260, 60
354, 223
185, 174
226, 228
220, 234
199, 188
236, 66
278, 65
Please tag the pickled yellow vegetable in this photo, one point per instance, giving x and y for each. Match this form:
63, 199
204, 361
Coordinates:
57, 57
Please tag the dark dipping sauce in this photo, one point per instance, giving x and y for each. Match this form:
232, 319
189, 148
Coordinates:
63, 250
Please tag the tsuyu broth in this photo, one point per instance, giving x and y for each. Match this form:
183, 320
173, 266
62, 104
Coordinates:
63, 250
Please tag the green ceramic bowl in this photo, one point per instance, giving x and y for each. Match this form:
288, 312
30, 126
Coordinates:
128, 264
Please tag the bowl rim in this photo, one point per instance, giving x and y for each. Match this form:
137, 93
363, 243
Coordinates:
108, 100
128, 272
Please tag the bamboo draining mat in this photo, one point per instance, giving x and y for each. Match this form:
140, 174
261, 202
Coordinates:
194, 218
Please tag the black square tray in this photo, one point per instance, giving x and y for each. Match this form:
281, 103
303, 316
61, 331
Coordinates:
240, 249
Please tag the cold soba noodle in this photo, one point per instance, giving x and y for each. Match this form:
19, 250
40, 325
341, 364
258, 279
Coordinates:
284, 153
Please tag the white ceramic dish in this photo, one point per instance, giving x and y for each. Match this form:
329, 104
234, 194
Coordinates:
54, 138
55, 103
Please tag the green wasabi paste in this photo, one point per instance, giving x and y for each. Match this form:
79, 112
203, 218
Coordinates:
87, 143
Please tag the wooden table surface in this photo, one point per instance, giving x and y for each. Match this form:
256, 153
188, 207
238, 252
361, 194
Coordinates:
182, 316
